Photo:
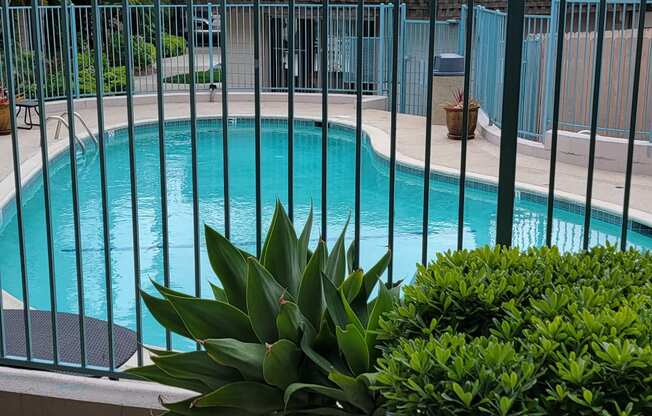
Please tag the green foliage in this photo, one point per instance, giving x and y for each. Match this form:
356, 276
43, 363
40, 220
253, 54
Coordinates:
173, 45
143, 52
495, 331
287, 333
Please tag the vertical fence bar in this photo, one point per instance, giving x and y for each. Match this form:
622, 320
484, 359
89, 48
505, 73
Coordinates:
45, 171
99, 87
594, 121
193, 142
632, 122
358, 130
427, 157
257, 126
290, 81
323, 69
509, 127
67, 12
225, 119
396, 26
465, 121
11, 93
162, 160
559, 59
131, 133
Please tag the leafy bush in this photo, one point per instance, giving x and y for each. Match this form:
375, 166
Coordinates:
143, 52
173, 45
500, 332
288, 332
115, 78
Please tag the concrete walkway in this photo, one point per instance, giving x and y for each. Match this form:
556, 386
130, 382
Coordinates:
482, 158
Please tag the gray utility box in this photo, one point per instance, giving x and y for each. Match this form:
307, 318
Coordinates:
447, 64
448, 77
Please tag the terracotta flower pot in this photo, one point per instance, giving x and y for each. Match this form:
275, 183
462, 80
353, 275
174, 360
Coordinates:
5, 122
454, 121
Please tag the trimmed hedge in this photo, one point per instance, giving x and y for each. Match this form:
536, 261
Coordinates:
173, 45
497, 331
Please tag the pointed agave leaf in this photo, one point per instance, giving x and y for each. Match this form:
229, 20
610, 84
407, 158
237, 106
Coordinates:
306, 346
311, 295
373, 275
218, 293
382, 304
165, 314
167, 291
333, 393
289, 322
334, 302
280, 252
245, 357
159, 353
304, 240
352, 285
264, 295
336, 264
355, 389
230, 267
197, 365
186, 408
281, 364
350, 257
253, 397
354, 348
350, 314
212, 319
153, 373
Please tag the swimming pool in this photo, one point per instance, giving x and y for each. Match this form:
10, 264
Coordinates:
479, 227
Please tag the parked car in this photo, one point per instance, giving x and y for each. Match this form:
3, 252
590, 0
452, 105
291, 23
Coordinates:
205, 30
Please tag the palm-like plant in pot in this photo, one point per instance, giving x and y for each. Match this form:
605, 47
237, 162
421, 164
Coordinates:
455, 116
291, 332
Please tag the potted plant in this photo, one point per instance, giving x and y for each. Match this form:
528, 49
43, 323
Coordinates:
5, 114
455, 116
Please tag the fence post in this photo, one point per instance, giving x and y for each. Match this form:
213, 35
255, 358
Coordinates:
73, 47
509, 124
404, 60
553, 25
210, 43
381, 51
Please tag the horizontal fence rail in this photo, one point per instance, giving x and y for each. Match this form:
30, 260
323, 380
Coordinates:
522, 69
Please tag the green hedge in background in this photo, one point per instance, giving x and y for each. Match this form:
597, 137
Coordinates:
173, 45
497, 331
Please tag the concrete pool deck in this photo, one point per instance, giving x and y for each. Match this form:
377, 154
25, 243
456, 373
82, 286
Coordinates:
482, 158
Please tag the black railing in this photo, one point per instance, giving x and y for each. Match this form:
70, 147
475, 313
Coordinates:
507, 172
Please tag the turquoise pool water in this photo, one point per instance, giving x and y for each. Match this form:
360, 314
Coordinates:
479, 224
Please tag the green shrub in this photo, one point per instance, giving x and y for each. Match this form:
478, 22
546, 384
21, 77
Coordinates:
293, 330
500, 332
143, 52
173, 45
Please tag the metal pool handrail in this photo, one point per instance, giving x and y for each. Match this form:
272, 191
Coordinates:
61, 120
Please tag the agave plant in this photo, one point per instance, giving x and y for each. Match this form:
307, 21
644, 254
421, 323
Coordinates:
291, 332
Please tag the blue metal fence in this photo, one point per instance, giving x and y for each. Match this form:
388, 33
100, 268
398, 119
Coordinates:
488, 58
